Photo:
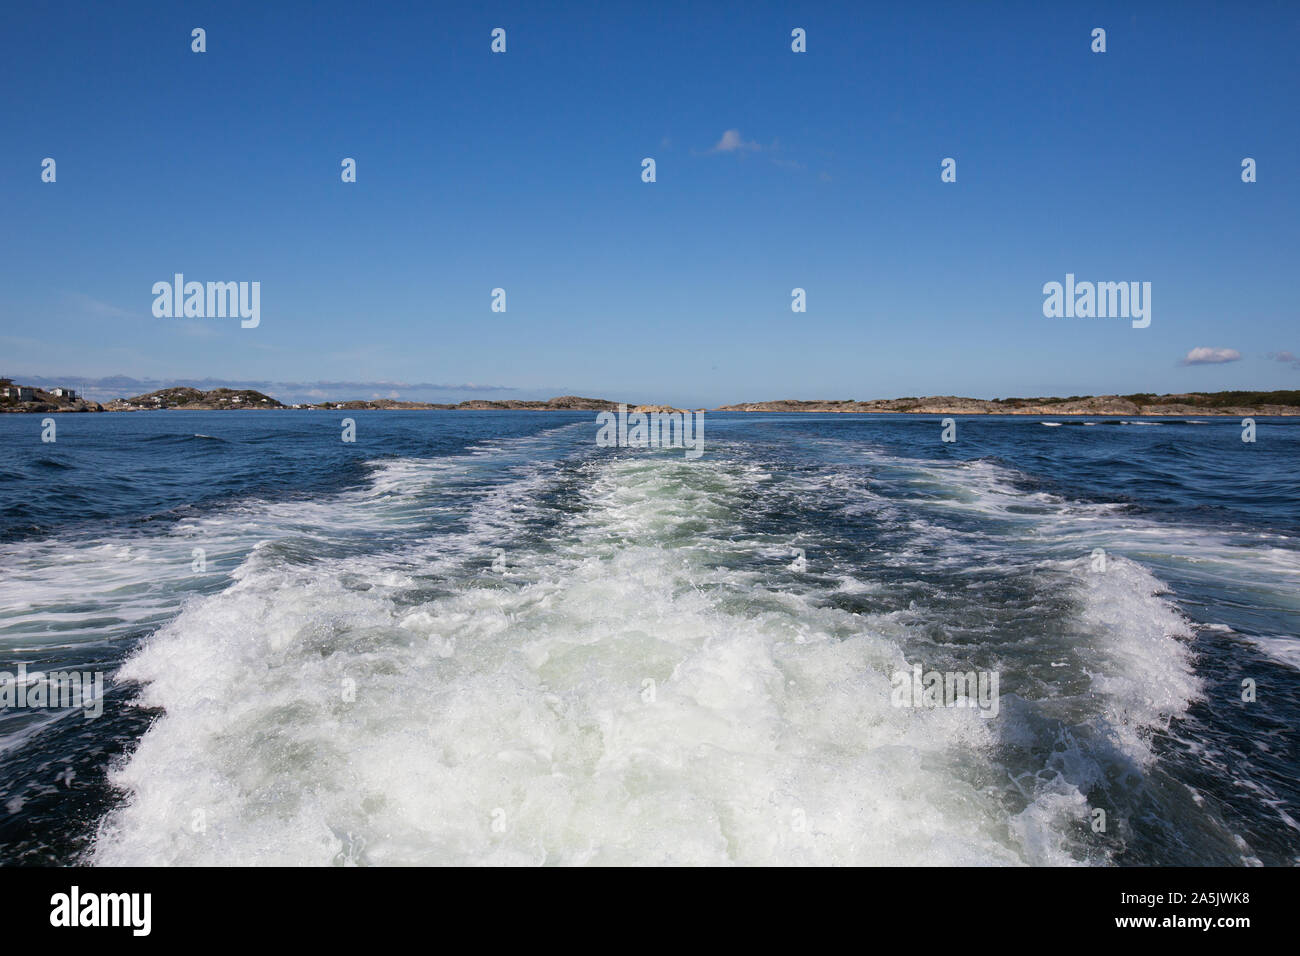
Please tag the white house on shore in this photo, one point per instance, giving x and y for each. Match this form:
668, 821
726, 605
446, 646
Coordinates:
64, 392
20, 392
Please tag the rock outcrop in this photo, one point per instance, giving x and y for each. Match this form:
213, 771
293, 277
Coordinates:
217, 399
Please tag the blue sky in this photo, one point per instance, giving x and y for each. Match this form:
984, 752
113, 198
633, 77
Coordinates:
523, 171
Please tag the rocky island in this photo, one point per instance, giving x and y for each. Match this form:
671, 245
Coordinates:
191, 398
226, 398
1235, 404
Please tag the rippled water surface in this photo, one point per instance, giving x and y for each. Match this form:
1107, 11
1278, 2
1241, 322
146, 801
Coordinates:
477, 637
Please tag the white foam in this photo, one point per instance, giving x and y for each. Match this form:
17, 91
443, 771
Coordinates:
523, 702
770, 739
1141, 665
508, 718
1285, 650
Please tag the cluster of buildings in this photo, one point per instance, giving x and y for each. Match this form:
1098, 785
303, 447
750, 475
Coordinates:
25, 393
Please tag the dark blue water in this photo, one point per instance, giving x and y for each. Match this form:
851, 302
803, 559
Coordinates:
496, 591
139, 468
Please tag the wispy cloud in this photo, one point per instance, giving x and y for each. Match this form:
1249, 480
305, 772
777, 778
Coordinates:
91, 306
1286, 358
733, 142
1203, 355
198, 330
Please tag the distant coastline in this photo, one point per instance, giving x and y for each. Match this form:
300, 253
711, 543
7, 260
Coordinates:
1229, 404
35, 400
1233, 404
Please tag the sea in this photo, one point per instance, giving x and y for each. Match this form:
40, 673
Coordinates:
480, 638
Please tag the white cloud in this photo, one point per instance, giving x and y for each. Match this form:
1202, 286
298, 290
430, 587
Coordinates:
732, 142
1202, 355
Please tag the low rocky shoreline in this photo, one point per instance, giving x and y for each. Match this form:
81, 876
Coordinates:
221, 399
1239, 404
1228, 404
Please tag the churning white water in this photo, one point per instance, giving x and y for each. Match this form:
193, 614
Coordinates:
644, 682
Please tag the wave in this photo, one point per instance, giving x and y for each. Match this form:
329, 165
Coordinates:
1284, 649
647, 681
